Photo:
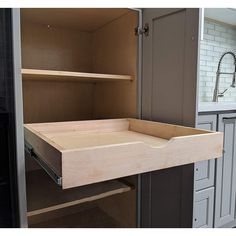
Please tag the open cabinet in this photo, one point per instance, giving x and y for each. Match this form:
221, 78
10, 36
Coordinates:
78, 64
85, 144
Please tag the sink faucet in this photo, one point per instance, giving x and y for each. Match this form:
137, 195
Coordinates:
218, 73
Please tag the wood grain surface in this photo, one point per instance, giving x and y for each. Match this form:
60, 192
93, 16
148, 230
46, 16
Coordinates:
86, 154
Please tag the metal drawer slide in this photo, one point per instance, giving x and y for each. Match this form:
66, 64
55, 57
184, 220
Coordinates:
29, 149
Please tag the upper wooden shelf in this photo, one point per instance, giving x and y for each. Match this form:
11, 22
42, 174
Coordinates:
53, 75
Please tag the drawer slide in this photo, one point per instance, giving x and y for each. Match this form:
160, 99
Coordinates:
31, 153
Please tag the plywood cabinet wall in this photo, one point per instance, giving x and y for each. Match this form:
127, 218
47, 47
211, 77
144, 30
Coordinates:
52, 48
115, 51
110, 48
55, 48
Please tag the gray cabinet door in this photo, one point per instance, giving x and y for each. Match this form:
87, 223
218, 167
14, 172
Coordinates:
170, 53
203, 211
204, 170
226, 172
169, 82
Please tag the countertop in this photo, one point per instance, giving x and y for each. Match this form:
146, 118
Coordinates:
216, 106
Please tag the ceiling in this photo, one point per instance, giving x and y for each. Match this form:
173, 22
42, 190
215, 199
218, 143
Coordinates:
226, 15
84, 19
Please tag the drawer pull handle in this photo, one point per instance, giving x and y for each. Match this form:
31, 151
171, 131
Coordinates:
229, 118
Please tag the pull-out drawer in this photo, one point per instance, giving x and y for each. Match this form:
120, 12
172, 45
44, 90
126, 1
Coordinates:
85, 152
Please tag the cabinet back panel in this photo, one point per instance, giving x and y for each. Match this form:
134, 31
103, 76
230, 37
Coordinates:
55, 48
52, 48
115, 51
56, 101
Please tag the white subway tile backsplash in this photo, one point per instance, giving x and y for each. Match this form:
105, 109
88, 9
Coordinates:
207, 78
207, 47
220, 28
203, 52
211, 74
231, 31
212, 32
227, 35
219, 48
210, 84
203, 63
207, 58
213, 53
211, 63
209, 37
207, 68
218, 38
231, 41
209, 25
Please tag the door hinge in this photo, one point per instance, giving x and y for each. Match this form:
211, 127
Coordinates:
140, 31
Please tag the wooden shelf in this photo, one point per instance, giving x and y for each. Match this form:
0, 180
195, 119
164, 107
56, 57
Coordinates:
91, 218
86, 152
52, 75
44, 196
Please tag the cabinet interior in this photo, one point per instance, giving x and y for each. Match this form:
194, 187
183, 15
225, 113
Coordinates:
79, 64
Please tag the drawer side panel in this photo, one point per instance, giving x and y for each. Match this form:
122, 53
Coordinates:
46, 152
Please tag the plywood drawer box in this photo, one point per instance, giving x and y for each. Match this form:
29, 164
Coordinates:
85, 152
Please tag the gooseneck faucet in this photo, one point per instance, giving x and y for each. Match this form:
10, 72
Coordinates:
218, 73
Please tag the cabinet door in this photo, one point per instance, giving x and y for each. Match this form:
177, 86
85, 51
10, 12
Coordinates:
169, 83
203, 211
204, 170
226, 172
170, 53
167, 198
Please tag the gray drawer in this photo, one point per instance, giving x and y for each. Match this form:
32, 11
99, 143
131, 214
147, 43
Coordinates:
203, 208
204, 174
204, 170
